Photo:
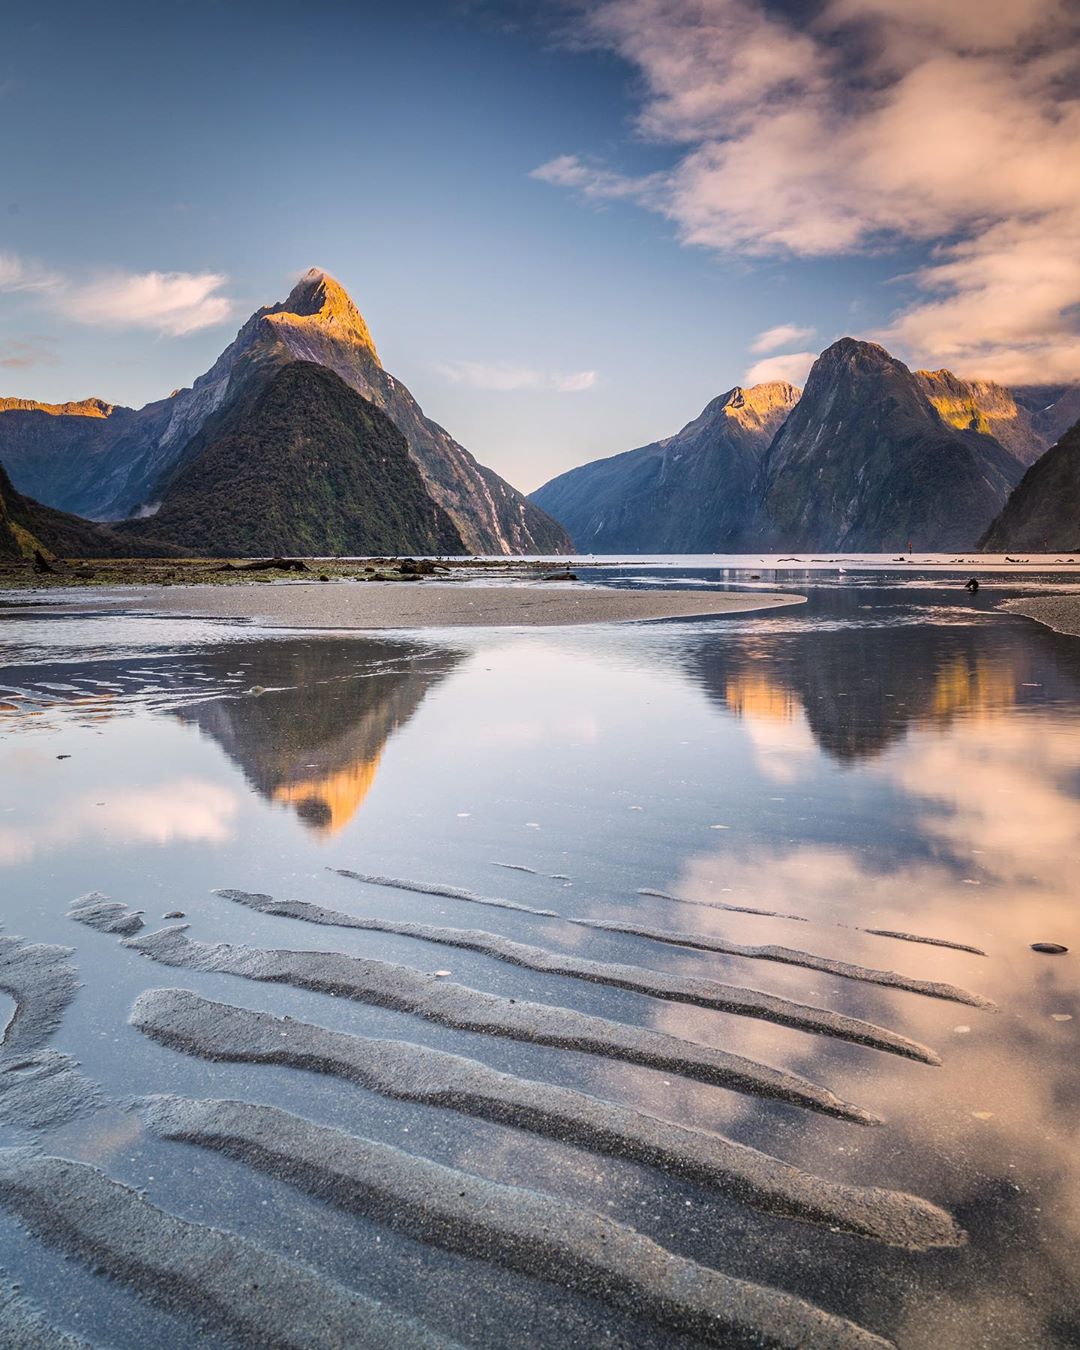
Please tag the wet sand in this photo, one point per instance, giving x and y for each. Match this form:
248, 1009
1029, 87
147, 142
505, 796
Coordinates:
1060, 612
379, 605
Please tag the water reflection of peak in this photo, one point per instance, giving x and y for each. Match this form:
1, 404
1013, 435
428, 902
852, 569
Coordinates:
860, 687
311, 734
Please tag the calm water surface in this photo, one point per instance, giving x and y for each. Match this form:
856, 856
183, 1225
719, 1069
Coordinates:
892, 755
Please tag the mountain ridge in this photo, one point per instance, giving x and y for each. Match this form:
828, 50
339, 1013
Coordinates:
870, 455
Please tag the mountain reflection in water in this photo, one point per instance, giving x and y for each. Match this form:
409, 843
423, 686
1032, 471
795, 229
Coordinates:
860, 684
312, 738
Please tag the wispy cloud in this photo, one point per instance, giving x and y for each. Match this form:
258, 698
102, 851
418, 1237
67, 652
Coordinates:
853, 125
16, 355
507, 378
783, 335
173, 303
788, 367
22, 274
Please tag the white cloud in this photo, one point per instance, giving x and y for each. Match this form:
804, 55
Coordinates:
507, 378
789, 367
865, 123
173, 303
783, 335
166, 302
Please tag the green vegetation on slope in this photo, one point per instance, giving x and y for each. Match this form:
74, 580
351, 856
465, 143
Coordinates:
26, 526
300, 464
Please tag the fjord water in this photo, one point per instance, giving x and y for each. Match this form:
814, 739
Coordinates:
893, 755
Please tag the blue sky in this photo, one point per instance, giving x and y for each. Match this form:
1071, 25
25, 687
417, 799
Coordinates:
544, 317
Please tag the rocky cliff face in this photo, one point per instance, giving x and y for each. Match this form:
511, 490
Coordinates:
1043, 513
866, 462
120, 465
689, 493
319, 322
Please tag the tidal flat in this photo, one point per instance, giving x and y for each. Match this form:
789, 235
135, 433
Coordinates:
663, 984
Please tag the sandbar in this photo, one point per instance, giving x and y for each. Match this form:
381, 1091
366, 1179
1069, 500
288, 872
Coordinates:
366, 605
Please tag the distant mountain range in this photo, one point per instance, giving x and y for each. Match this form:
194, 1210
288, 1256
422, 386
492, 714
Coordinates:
869, 456
112, 463
298, 441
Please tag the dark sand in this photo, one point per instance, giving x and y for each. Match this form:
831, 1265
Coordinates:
426, 604
1060, 612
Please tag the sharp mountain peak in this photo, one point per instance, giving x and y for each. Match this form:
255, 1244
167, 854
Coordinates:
319, 301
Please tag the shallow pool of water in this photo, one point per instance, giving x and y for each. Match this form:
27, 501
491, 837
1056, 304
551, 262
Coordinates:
893, 756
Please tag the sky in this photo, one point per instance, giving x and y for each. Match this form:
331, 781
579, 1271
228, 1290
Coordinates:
568, 226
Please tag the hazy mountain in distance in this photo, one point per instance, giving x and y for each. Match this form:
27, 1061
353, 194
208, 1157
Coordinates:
689, 493
27, 527
1053, 409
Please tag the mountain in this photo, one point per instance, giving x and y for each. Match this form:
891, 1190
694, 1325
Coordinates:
1052, 408
866, 462
299, 463
26, 526
981, 405
689, 493
1043, 513
115, 466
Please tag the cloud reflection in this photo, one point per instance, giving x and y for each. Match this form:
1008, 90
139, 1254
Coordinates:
188, 810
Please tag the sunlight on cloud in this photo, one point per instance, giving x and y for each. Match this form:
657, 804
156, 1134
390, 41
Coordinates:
871, 123
170, 302
783, 335
507, 378
16, 355
787, 367
19, 274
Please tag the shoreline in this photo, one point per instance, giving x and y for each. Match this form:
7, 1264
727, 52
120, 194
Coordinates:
373, 606
1060, 613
